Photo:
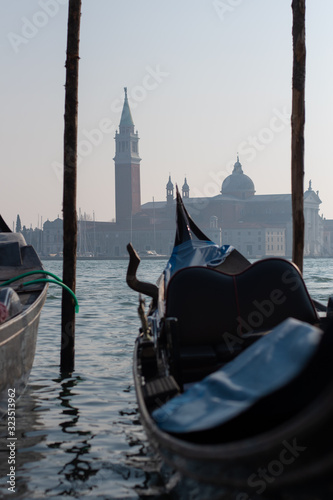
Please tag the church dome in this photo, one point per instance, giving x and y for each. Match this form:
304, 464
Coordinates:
238, 184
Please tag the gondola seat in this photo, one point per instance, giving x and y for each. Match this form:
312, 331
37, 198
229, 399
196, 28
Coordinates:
218, 314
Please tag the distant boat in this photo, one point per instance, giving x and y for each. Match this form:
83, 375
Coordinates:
233, 369
20, 308
152, 254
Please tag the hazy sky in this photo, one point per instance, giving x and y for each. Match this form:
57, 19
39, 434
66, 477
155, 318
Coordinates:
206, 79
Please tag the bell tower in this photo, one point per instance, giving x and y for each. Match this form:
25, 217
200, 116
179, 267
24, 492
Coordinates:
127, 167
169, 191
185, 189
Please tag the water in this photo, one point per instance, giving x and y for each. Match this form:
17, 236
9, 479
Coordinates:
80, 436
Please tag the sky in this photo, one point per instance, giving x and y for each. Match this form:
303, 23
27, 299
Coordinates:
206, 79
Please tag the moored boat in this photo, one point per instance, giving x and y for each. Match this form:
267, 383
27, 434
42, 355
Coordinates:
232, 369
20, 308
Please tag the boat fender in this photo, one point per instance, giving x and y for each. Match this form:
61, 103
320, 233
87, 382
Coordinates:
10, 304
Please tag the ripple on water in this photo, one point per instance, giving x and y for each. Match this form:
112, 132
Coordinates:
81, 436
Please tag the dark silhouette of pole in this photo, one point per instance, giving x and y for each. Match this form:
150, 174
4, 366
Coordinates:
297, 130
69, 190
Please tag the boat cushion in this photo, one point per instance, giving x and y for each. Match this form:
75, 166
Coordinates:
213, 307
264, 367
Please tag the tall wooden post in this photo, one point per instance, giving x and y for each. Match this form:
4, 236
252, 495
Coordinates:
297, 130
69, 190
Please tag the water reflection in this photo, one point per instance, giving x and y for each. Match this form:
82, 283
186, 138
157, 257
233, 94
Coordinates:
79, 466
29, 434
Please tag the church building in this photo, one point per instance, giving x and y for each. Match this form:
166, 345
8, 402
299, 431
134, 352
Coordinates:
257, 225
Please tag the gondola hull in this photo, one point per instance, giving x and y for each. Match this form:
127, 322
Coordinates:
18, 340
295, 456
18, 328
232, 371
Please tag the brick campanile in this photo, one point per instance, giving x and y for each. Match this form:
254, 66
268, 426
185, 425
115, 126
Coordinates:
127, 167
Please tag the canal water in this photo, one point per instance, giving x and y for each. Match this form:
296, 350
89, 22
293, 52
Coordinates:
81, 436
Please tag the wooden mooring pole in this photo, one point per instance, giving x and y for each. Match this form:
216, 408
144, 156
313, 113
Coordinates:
297, 130
69, 190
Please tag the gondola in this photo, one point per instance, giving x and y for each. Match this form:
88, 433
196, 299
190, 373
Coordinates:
232, 369
20, 307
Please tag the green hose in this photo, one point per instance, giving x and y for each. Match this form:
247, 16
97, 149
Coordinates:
40, 271
56, 281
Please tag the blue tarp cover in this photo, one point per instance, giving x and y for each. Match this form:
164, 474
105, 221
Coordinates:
265, 366
196, 253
